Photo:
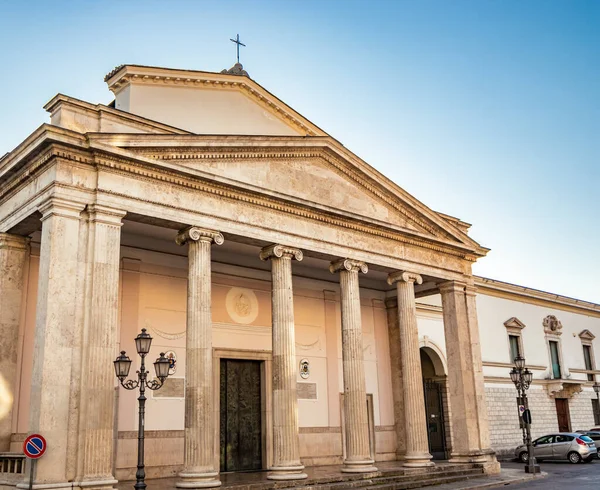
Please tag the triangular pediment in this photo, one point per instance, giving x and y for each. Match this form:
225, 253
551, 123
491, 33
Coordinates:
315, 173
586, 335
514, 322
205, 102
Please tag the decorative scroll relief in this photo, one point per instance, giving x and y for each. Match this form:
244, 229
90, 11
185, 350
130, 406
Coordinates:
306, 391
241, 305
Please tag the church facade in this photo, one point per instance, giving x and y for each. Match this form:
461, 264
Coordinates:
313, 312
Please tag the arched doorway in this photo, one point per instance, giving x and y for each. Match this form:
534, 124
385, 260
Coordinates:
434, 387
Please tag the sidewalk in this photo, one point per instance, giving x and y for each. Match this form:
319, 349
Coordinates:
507, 476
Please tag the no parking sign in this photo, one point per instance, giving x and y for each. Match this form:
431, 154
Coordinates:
34, 446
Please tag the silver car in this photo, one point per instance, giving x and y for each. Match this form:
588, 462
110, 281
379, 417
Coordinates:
569, 446
594, 436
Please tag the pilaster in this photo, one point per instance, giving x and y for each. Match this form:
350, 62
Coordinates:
55, 350
14, 253
199, 447
286, 444
358, 454
99, 346
415, 423
469, 422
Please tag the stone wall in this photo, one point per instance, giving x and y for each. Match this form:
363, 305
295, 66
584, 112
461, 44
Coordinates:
505, 432
581, 409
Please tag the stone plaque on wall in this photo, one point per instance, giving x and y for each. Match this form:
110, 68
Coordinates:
172, 388
306, 391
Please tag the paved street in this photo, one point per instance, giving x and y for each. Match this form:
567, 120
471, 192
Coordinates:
563, 475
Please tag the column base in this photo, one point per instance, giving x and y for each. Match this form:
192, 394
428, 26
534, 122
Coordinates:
481, 456
198, 480
417, 460
96, 484
359, 466
287, 473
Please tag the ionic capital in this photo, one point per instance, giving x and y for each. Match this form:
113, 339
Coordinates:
194, 234
279, 251
404, 276
348, 265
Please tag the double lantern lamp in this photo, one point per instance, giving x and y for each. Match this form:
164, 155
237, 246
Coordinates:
161, 367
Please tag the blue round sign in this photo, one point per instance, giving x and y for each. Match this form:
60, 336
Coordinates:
34, 446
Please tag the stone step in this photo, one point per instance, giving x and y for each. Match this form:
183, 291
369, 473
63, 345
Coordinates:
399, 481
440, 480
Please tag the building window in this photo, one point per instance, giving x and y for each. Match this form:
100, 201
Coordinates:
514, 326
587, 338
596, 409
556, 373
587, 357
515, 347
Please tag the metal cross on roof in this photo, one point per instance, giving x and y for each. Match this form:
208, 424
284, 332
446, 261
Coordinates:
238, 43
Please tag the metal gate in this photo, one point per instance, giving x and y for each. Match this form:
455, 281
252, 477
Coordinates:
436, 430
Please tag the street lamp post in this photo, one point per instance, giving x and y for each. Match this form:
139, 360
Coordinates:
597, 390
161, 367
522, 378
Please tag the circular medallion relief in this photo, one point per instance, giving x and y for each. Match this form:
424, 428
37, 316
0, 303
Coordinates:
241, 305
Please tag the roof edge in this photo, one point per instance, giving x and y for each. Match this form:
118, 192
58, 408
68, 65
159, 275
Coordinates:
524, 291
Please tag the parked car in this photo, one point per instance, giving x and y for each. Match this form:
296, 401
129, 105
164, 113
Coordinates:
569, 446
594, 436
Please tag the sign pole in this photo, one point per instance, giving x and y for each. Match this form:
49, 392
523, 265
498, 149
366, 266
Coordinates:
34, 448
31, 473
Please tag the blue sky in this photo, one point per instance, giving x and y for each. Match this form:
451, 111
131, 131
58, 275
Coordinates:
485, 110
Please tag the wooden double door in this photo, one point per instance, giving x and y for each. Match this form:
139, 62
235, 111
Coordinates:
562, 414
240, 415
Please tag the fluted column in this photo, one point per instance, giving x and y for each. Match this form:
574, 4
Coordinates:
468, 414
55, 350
199, 451
415, 422
99, 345
13, 257
286, 445
391, 305
358, 453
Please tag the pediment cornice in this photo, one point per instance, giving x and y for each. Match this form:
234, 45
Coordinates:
125, 75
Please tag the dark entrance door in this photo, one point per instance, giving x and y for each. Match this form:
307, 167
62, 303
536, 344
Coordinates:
435, 419
241, 434
562, 413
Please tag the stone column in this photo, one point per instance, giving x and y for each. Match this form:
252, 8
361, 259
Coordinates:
54, 345
470, 442
391, 305
415, 422
13, 257
358, 453
199, 454
99, 347
286, 444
